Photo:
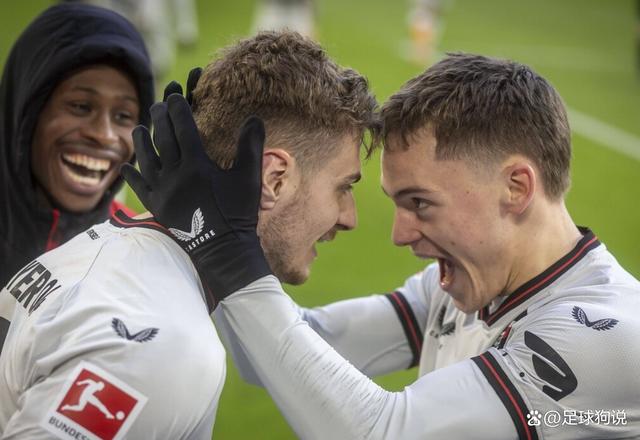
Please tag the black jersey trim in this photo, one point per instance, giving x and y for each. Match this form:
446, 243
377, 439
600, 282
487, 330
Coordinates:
122, 220
508, 394
588, 242
409, 324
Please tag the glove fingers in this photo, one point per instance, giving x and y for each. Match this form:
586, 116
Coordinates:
163, 134
185, 129
250, 145
171, 88
136, 182
192, 81
145, 153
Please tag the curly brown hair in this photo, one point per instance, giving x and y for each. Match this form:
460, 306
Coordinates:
484, 109
305, 99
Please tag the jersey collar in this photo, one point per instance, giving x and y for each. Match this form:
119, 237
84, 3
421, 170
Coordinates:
122, 220
535, 285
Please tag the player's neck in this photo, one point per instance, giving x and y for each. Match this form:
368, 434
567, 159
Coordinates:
549, 234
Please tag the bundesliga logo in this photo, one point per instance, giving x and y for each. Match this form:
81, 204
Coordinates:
94, 405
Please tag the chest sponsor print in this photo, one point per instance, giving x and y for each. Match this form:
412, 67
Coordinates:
550, 368
599, 324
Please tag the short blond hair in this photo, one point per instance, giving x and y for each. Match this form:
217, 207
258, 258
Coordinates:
305, 99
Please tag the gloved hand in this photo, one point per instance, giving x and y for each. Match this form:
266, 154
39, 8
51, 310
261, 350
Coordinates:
192, 82
213, 213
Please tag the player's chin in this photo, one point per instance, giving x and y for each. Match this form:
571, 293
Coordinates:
296, 275
295, 278
463, 306
466, 301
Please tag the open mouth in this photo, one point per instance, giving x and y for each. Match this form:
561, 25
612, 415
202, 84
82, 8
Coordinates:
85, 170
447, 271
327, 237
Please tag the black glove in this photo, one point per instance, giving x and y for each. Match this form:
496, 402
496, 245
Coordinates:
192, 82
213, 213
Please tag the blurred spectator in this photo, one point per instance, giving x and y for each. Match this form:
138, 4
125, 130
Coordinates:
424, 30
75, 84
162, 23
276, 15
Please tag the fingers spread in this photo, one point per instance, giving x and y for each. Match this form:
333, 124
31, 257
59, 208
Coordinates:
163, 134
136, 182
171, 88
145, 153
192, 81
184, 127
250, 144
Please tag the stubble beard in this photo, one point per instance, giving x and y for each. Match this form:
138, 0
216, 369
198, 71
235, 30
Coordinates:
279, 235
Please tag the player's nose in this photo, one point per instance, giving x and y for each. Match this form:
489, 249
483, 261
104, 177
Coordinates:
404, 230
348, 217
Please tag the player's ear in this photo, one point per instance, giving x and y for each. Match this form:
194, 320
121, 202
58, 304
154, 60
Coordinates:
520, 184
277, 170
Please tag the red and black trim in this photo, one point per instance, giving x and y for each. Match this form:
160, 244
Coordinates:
116, 206
52, 241
588, 242
507, 393
409, 324
502, 339
122, 220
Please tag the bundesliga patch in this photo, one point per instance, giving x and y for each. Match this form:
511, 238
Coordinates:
93, 405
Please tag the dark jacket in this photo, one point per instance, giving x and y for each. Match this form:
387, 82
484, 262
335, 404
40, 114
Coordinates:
59, 41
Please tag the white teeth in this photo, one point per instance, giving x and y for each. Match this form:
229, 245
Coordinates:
88, 162
85, 180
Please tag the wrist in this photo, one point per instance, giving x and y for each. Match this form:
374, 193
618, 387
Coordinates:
230, 262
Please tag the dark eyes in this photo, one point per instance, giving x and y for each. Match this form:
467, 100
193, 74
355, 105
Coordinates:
419, 203
124, 117
79, 108
85, 108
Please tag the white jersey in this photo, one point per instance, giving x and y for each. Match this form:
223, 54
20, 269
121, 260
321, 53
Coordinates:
556, 359
109, 337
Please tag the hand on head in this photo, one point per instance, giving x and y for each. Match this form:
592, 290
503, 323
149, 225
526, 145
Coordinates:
212, 212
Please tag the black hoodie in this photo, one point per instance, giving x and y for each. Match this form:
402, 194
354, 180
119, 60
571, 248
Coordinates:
62, 39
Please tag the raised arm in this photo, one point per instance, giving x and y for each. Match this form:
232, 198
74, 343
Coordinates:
323, 396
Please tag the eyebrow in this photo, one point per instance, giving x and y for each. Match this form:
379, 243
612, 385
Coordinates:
405, 191
95, 92
353, 178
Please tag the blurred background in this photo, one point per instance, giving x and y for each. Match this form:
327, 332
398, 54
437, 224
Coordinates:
588, 49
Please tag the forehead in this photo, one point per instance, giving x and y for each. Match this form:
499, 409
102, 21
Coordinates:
100, 79
415, 166
346, 160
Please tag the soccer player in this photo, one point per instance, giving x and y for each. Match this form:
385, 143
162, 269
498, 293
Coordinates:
75, 84
110, 334
525, 327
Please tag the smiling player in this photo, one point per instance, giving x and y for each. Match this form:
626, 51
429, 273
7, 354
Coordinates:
73, 88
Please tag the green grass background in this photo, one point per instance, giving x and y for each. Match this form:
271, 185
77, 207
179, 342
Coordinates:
584, 47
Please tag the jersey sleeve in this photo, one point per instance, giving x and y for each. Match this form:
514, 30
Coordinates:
570, 369
378, 334
129, 350
322, 395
